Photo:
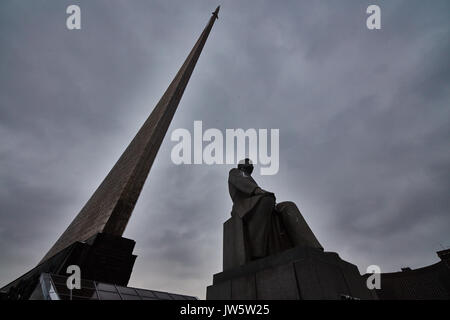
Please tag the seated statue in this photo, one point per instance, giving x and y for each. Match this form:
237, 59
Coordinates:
269, 228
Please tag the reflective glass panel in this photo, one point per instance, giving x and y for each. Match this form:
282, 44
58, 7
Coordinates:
162, 295
130, 297
106, 287
107, 295
126, 290
146, 293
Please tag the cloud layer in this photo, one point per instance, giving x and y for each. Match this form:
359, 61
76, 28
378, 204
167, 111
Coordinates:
364, 123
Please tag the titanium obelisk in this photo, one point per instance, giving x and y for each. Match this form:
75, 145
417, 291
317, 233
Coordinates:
110, 207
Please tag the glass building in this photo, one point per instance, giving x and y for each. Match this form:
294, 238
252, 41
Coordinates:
54, 287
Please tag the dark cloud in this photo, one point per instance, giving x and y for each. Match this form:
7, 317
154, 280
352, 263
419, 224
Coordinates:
363, 117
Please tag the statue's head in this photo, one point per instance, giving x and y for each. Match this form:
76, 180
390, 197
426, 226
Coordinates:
246, 165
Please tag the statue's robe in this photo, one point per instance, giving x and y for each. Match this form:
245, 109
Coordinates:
269, 228
242, 191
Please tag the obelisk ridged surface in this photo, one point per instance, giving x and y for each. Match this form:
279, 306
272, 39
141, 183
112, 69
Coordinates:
110, 207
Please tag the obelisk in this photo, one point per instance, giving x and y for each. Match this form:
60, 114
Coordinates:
110, 207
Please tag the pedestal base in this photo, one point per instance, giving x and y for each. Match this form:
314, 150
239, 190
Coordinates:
295, 274
103, 257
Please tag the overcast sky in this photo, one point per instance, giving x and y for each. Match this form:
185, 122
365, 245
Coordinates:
364, 119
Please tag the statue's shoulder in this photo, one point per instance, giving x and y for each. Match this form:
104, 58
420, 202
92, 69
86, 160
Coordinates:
233, 173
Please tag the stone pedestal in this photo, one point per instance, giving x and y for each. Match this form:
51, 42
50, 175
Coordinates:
298, 273
103, 257
235, 252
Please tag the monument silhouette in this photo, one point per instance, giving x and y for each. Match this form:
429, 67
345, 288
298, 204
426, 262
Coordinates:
93, 240
269, 227
270, 253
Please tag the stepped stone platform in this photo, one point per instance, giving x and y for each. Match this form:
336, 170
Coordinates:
297, 273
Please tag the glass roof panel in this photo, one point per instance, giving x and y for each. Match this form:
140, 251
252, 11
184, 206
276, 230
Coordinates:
146, 293
106, 287
83, 292
107, 295
130, 297
162, 295
90, 290
127, 290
